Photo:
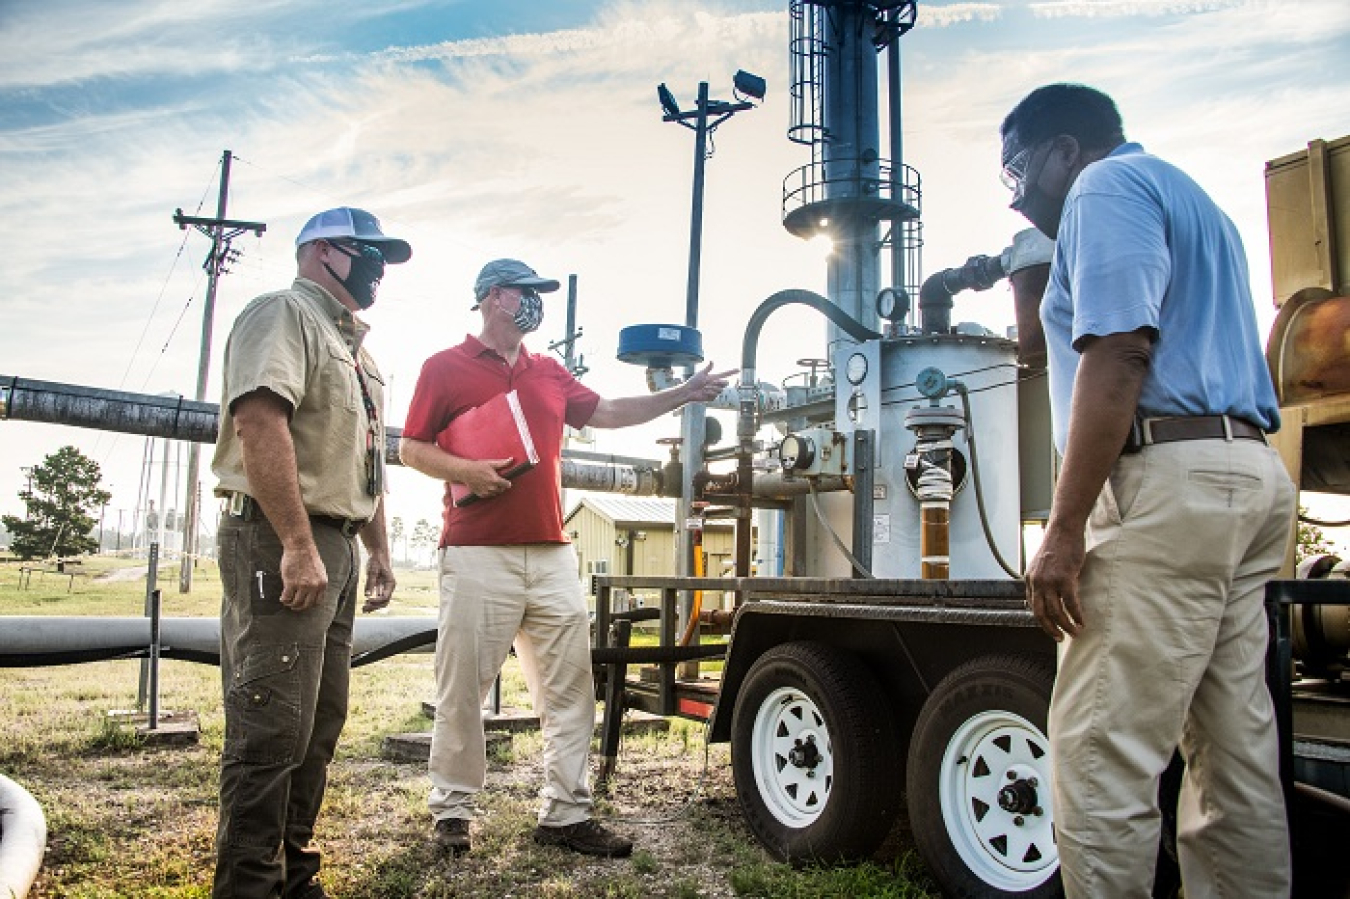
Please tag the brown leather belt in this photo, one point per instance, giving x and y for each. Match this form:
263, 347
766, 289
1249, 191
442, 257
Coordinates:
246, 508
1197, 427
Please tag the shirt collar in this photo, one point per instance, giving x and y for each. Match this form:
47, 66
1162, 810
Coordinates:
477, 349
352, 329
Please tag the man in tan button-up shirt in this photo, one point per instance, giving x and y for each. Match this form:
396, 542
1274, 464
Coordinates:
300, 458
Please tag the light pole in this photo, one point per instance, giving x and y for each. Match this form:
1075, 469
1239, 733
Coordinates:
703, 119
102, 512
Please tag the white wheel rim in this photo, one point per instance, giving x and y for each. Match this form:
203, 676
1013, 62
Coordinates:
1006, 839
792, 757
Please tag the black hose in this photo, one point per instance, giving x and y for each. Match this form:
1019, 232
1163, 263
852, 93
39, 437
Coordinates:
979, 490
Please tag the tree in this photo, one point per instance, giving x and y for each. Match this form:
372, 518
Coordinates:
61, 496
396, 535
1311, 541
426, 534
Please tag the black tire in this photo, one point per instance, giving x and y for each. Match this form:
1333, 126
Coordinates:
815, 755
978, 782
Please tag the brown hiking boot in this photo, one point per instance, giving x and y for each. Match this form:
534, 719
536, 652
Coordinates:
587, 837
452, 835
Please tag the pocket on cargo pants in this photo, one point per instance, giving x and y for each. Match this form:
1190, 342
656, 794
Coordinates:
264, 715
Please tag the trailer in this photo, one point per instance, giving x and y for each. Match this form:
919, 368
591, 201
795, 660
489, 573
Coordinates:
888, 668
895, 671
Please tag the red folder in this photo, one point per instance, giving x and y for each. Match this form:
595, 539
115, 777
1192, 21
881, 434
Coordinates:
495, 430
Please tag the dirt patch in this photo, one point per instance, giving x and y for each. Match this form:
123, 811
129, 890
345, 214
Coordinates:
120, 575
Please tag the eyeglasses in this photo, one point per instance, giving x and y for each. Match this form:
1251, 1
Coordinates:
367, 250
1015, 169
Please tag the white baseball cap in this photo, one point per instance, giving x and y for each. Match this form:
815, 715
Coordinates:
348, 221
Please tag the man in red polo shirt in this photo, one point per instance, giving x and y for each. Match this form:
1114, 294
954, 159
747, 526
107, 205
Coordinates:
508, 573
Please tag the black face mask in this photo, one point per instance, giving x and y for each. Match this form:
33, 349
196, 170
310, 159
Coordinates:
364, 278
1041, 209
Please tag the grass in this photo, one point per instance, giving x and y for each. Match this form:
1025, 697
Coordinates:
128, 820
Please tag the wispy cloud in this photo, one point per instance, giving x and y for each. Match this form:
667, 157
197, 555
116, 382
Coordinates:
1118, 8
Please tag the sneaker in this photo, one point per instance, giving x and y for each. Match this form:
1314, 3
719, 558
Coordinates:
588, 837
452, 835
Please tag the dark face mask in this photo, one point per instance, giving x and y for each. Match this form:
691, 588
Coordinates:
530, 315
1041, 209
363, 280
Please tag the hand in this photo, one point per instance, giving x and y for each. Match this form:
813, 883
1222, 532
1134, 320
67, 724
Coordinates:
1052, 583
704, 387
483, 477
303, 577
379, 582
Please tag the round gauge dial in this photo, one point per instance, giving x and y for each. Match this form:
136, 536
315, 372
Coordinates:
856, 369
931, 382
892, 304
796, 452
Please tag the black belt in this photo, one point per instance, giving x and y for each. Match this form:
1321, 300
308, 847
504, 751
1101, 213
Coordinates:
1150, 431
246, 508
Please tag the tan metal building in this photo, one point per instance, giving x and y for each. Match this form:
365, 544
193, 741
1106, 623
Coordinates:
636, 535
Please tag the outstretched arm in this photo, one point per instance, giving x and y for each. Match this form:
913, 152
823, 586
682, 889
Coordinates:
635, 410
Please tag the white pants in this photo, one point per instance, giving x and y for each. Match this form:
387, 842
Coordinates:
491, 596
1180, 545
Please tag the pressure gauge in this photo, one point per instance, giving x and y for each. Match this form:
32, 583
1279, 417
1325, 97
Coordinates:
892, 304
796, 452
931, 382
856, 369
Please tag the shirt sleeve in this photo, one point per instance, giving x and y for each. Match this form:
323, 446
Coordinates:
581, 400
1114, 238
268, 350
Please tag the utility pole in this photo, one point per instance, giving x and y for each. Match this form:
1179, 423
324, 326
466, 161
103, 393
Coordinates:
221, 231
572, 361
703, 119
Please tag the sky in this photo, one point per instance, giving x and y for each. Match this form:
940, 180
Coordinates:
477, 130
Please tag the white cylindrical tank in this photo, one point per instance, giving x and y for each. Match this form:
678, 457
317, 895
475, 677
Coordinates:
987, 365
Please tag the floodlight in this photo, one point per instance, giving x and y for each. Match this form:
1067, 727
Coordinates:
748, 84
667, 100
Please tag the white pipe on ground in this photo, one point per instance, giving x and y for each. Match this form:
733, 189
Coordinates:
23, 838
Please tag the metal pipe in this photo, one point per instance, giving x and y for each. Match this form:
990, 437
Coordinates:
627, 479
153, 723
42, 640
174, 418
23, 399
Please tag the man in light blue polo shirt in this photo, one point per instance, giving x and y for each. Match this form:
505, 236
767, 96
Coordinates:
1169, 515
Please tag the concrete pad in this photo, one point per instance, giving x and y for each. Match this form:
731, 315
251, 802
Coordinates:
178, 728
416, 747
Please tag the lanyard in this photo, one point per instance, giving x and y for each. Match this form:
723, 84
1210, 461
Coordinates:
374, 458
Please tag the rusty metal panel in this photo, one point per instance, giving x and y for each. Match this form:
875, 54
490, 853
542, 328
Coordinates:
1308, 210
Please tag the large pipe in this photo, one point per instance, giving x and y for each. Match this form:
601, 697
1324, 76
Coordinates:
23, 838
40, 640
1030, 250
175, 418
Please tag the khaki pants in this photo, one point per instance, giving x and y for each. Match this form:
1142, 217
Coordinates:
491, 596
285, 679
1180, 545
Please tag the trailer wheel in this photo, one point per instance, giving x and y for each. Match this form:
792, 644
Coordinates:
815, 755
979, 778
